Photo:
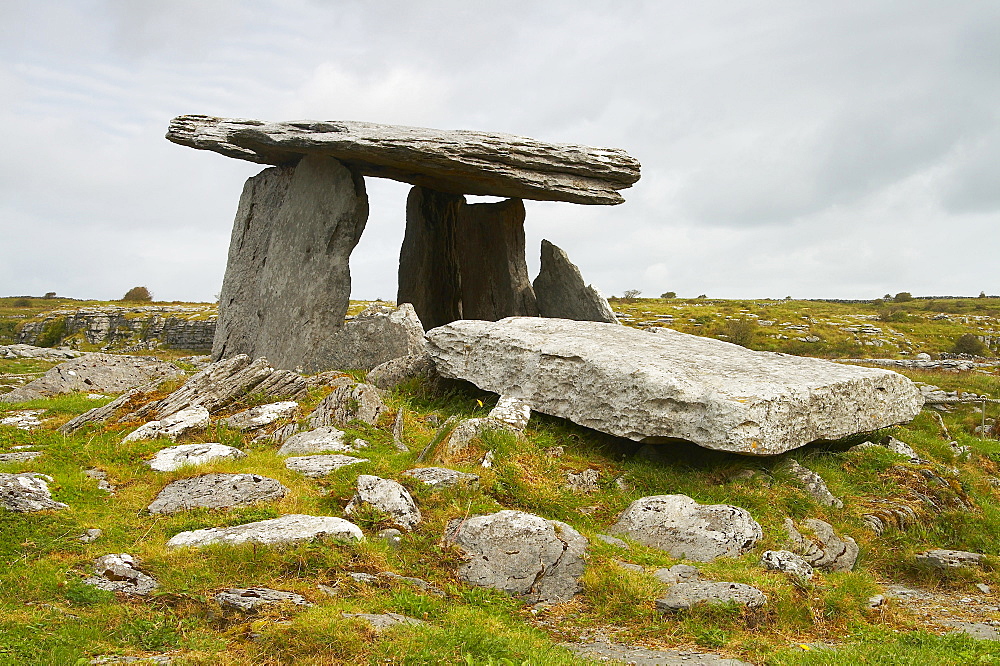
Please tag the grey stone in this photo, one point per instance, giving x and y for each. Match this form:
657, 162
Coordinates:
27, 492
317, 440
331, 378
119, 572
174, 457
391, 536
156, 659
387, 496
292, 238
458, 161
612, 541
382, 621
19, 456
788, 562
108, 373
173, 426
258, 417
360, 402
657, 386
216, 491
683, 596
375, 336
91, 535
939, 558
684, 528
562, 293
277, 531
902, 448
520, 553
392, 373
105, 412
279, 436
41, 353
814, 484
629, 566
441, 477
318, 466
824, 549
640, 656
978, 630
469, 429
23, 419
512, 411
984, 588
679, 573
252, 599
584, 482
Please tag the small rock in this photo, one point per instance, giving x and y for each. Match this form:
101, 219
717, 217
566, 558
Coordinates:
512, 411
258, 417
814, 484
172, 426
317, 466
984, 588
27, 492
788, 562
392, 373
613, 541
441, 477
584, 482
19, 456
387, 496
679, 573
470, 429
318, 440
357, 402
683, 596
217, 491
90, 536
383, 621
120, 573
487, 461
24, 419
174, 457
825, 550
949, 559
251, 599
286, 529
876, 601
629, 566
555, 451
391, 536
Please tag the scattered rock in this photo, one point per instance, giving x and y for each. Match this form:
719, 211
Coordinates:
19, 456
788, 562
640, 656
441, 477
27, 492
108, 373
814, 484
521, 554
252, 599
318, 466
561, 292
24, 419
120, 573
173, 426
392, 373
318, 440
391, 536
279, 436
41, 353
358, 402
629, 566
216, 491
584, 482
102, 480
512, 411
679, 573
287, 529
876, 601
612, 541
387, 496
978, 630
91, 535
382, 621
174, 457
949, 559
683, 596
469, 429
258, 417
824, 550
684, 528
984, 588
555, 451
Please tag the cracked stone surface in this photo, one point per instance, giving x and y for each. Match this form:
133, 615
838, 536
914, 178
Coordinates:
949, 559
683, 596
381, 621
317, 466
119, 572
217, 491
814, 484
27, 492
277, 531
173, 426
512, 411
520, 553
441, 477
175, 457
251, 599
640, 656
258, 417
824, 549
317, 440
388, 496
788, 562
355, 402
469, 429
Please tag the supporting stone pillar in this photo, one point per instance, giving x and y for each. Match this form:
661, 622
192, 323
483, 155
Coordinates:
288, 280
429, 273
495, 282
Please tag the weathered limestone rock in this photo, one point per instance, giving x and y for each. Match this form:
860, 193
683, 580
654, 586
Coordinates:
683, 596
318, 440
684, 528
19, 456
27, 492
824, 549
216, 491
174, 457
277, 531
387, 496
512, 411
382, 621
441, 477
357, 402
377, 335
679, 573
119, 572
601, 651
43, 353
814, 484
317, 466
659, 386
23, 419
173, 426
252, 599
105, 412
561, 292
108, 373
788, 562
469, 429
949, 559
521, 554
586, 481
392, 373
457, 161
288, 281
258, 417
494, 274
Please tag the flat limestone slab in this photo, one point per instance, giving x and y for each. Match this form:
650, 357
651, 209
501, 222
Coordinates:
277, 531
454, 161
668, 385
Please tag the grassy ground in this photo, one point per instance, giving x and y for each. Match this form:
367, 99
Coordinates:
47, 616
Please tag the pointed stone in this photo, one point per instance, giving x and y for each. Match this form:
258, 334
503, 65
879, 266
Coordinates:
561, 293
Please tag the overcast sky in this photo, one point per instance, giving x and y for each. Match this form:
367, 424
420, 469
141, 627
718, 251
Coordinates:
815, 149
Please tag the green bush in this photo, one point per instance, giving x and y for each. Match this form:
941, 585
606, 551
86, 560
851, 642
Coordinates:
137, 294
740, 331
903, 297
970, 344
53, 333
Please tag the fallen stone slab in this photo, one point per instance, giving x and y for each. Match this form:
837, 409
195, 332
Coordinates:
378, 334
274, 532
683, 596
318, 466
392, 373
173, 426
216, 491
561, 292
939, 558
119, 572
252, 599
520, 553
682, 527
456, 161
27, 492
174, 457
441, 477
382, 621
258, 417
317, 440
640, 656
656, 387
357, 402
787, 562
824, 548
387, 496
105, 373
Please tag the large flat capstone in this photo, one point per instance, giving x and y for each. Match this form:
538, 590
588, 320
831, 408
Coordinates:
456, 162
668, 385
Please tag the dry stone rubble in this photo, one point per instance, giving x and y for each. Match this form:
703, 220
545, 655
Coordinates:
119, 572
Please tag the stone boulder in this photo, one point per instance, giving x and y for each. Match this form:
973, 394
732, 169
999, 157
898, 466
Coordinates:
119, 572
683, 596
561, 292
387, 496
441, 477
356, 402
317, 440
317, 466
27, 492
392, 373
522, 554
787, 562
174, 457
657, 387
96, 373
216, 491
277, 531
253, 599
173, 426
823, 549
684, 528
375, 336
258, 417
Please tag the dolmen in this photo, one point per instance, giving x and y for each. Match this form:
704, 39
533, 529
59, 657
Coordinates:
287, 284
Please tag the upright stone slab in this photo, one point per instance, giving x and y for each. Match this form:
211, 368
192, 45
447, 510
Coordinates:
561, 292
429, 272
495, 282
288, 280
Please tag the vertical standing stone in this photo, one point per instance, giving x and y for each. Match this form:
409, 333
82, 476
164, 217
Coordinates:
561, 292
288, 280
495, 282
429, 273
